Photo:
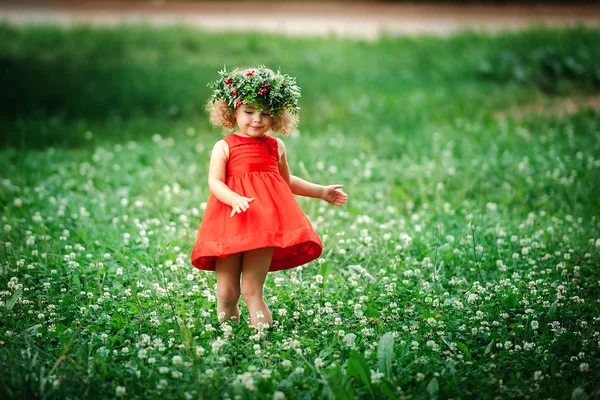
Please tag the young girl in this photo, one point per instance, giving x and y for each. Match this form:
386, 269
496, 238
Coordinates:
252, 223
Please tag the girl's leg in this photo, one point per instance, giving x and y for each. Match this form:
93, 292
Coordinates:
228, 271
255, 266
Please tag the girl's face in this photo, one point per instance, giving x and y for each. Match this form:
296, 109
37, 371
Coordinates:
252, 123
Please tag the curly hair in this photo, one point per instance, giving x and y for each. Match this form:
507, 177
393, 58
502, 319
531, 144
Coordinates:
220, 114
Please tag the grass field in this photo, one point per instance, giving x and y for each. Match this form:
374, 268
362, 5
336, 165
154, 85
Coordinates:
465, 264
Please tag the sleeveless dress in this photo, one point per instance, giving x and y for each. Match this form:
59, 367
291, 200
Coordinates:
274, 218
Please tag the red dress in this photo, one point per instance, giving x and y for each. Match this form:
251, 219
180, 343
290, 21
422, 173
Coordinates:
274, 218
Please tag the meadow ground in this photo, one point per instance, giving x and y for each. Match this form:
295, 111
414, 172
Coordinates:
465, 264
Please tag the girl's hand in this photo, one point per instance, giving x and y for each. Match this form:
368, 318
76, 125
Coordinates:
334, 195
240, 204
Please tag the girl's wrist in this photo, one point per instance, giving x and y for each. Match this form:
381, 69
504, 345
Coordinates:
322, 192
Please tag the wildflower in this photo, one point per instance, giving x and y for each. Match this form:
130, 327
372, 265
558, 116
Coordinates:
584, 367
286, 364
266, 373
217, 344
142, 354
247, 380
319, 363
163, 370
376, 377
278, 395
121, 391
299, 370
177, 360
432, 344
534, 324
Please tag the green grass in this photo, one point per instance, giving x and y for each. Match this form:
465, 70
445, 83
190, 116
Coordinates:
461, 229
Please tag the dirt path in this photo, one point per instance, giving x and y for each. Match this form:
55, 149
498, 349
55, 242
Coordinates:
348, 19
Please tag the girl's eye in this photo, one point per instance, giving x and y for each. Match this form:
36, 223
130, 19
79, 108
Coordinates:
249, 112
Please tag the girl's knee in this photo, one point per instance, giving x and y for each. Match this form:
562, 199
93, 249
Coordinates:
251, 292
228, 295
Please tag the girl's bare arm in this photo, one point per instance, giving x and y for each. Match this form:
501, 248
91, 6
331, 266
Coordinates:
216, 180
330, 193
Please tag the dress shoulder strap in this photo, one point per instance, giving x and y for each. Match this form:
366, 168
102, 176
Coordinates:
230, 140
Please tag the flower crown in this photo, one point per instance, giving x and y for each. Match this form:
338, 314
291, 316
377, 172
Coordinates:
259, 86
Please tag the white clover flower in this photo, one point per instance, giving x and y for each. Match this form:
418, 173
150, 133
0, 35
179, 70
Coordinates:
142, 354
177, 360
299, 371
278, 395
121, 391
432, 344
376, 377
584, 367
266, 373
217, 344
163, 370
534, 324
247, 380
319, 362
286, 364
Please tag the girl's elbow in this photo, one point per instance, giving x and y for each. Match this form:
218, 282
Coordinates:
212, 184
